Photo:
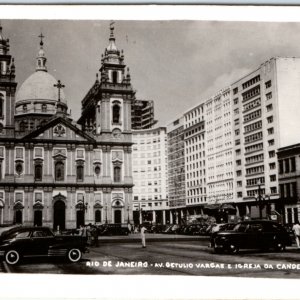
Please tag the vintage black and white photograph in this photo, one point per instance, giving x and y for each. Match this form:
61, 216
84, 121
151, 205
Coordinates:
134, 147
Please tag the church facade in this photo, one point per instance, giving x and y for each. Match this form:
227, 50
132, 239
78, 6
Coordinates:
54, 171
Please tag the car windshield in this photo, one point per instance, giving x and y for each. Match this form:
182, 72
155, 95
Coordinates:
240, 227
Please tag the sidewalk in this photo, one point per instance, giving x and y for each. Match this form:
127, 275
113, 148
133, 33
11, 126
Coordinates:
151, 237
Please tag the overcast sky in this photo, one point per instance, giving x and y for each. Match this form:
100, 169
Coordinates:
175, 63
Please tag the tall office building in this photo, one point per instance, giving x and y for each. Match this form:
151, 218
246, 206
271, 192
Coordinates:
176, 169
142, 114
150, 170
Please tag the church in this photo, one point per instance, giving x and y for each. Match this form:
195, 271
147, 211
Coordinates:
54, 171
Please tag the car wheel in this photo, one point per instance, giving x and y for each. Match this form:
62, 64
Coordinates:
74, 255
279, 246
233, 249
218, 250
12, 257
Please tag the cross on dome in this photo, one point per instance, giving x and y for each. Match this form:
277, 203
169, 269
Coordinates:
41, 36
59, 87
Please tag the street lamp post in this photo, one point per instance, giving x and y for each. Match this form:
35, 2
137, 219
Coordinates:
83, 208
106, 213
260, 199
128, 214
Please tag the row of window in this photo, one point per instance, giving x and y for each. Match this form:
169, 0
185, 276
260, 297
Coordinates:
251, 82
251, 93
253, 137
287, 165
59, 171
253, 126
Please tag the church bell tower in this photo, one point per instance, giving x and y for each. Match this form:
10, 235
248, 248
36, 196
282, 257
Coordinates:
7, 88
106, 110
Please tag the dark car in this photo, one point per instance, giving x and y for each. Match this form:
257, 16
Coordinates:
114, 229
20, 242
258, 234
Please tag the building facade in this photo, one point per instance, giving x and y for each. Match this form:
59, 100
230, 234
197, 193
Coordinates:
55, 172
143, 114
289, 183
150, 169
176, 170
195, 159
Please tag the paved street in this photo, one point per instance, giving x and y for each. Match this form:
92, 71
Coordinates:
177, 257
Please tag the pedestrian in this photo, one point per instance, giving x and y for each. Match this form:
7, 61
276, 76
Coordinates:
132, 228
296, 229
143, 230
94, 233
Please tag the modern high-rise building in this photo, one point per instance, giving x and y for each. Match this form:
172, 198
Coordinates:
231, 141
142, 114
265, 118
195, 159
176, 169
150, 170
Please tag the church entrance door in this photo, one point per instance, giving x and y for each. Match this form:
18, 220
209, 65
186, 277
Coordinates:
59, 217
80, 218
118, 216
38, 218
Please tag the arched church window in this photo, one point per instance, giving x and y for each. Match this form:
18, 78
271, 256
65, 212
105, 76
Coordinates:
117, 174
114, 76
116, 114
98, 216
19, 168
79, 173
1, 105
38, 172
97, 170
59, 171
22, 126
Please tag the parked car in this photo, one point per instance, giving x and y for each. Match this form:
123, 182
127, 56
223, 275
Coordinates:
114, 229
20, 242
260, 234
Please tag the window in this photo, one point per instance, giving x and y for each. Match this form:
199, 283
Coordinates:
270, 130
19, 168
59, 171
239, 194
236, 101
269, 96
270, 119
268, 84
272, 166
269, 107
293, 164
38, 172
114, 76
98, 216
79, 173
235, 91
1, 105
271, 154
116, 114
273, 190
273, 178
97, 170
271, 142
287, 165
117, 174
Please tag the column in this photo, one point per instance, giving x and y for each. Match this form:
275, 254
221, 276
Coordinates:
171, 217
164, 217
154, 216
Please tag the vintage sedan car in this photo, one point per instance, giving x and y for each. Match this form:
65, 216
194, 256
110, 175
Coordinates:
258, 234
20, 242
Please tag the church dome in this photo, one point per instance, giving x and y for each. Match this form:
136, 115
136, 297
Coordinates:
39, 86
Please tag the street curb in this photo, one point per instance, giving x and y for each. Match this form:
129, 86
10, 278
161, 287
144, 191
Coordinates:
151, 239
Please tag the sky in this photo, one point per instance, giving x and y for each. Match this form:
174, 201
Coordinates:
178, 64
